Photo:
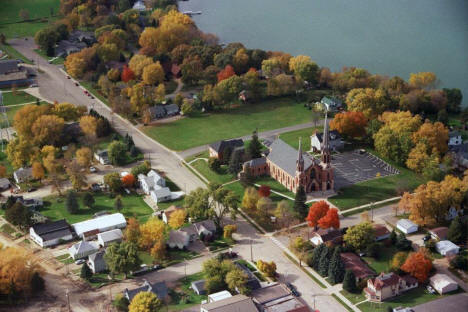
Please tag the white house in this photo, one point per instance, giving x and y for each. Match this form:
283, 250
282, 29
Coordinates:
442, 283
166, 214
82, 249
109, 237
160, 195
22, 175
50, 234
447, 248
455, 138
96, 262
178, 239
139, 6
151, 181
334, 139
100, 224
102, 156
406, 226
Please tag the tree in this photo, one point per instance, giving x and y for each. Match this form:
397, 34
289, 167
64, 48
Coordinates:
250, 199
359, 236
215, 272
112, 180
145, 301
459, 262
349, 282
177, 218
283, 213
268, 268
128, 180
122, 258
281, 85
19, 215
89, 125
264, 206
71, 203
227, 72
418, 158
324, 262
132, 231
435, 135
47, 129
457, 231
236, 280
214, 164
137, 63
88, 200
117, 153
120, 302
403, 243
3, 171
127, 74
86, 272
418, 264
37, 171
152, 234
331, 219
373, 250
153, 74
304, 68
142, 168
369, 101
393, 237
423, 80
84, 156
76, 175
264, 191
398, 259
37, 283
228, 230
316, 255
118, 205
336, 269
299, 202
254, 150
234, 162
350, 124
316, 212
454, 99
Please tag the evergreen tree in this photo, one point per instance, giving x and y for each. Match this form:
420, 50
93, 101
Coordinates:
88, 200
246, 178
133, 151
403, 243
226, 155
37, 283
324, 262
393, 237
336, 269
118, 205
349, 282
86, 272
456, 232
254, 149
71, 203
300, 203
234, 162
316, 254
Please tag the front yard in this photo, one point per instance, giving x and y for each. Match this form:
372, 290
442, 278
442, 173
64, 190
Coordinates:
182, 295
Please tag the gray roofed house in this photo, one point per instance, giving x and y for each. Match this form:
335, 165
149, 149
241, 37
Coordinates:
96, 262
171, 109
82, 249
109, 237
161, 194
205, 227
285, 156
238, 303
216, 149
102, 156
159, 289
12, 73
22, 175
332, 103
4, 184
178, 239
157, 112
8, 66
51, 233
334, 140
256, 162
199, 287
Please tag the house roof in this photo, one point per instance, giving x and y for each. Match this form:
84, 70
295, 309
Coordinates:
354, 263
333, 135
23, 172
256, 162
286, 304
270, 293
178, 237
221, 145
50, 227
285, 157
4, 182
171, 108
161, 192
83, 247
446, 245
409, 279
157, 111
441, 280
329, 234
440, 232
199, 285
102, 222
111, 235
380, 230
454, 134
159, 289
385, 280
8, 66
171, 210
405, 223
331, 101
97, 258
233, 304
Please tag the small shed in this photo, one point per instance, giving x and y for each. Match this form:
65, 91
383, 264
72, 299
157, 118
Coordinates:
160, 195
442, 283
439, 233
447, 248
199, 287
406, 226
224, 294
96, 262
109, 237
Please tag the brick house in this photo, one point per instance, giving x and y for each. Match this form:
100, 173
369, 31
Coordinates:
217, 149
388, 285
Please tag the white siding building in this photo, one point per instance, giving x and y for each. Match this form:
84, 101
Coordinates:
82, 249
406, 226
100, 224
50, 234
109, 237
447, 248
442, 283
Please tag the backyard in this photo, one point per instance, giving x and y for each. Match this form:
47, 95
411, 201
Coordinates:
383, 263
133, 206
207, 128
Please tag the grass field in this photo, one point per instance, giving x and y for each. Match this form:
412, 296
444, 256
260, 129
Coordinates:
223, 176
206, 128
382, 264
12, 25
20, 97
354, 298
13, 53
292, 138
133, 206
184, 297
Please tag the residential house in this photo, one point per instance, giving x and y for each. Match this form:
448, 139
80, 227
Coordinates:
252, 281
82, 249
217, 149
406, 226
332, 103
159, 195
76, 41
32, 203
102, 156
22, 175
96, 262
4, 184
447, 248
205, 228
109, 237
158, 288
221, 295
171, 109
439, 233
442, 283
381, 232
455, 138
151, 181
157, 112
100, 224
13, 74
330, 235
178, 239
335, 140
277, 297
51, 233
166, 214
354, 263
199, 287
238, 303
388, 285
139, 6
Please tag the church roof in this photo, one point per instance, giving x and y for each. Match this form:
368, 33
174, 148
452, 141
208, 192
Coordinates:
285, 157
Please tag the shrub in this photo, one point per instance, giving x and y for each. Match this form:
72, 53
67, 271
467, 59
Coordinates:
268, 268
228, 230
214, 164
459, 262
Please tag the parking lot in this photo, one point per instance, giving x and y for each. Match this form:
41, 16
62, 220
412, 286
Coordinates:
354, 167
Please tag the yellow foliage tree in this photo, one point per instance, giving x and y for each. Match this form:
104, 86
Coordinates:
25, 118
250, 199
369, 101
88, 125
423, 80
84, 156
145, 301
138, 62
435, 135
177, 218
47, 129
37, 171
153, 74
151, 232
418, 157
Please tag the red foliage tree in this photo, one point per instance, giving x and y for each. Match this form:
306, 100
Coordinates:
252, 70
317, 211
351, 124
331, 219
227, 72
418, 265
264, 191
127, 74
128, 180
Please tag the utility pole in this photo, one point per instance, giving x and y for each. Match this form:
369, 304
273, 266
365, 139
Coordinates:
68, 300
251, 251
372, 211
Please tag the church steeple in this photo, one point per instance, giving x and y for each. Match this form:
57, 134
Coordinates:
325, 157
300, 158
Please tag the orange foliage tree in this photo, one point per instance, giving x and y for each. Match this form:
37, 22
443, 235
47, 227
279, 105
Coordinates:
127, 74
331, 219
227, 72
264, 191
350, 124
316, 212
128, 180
418, 265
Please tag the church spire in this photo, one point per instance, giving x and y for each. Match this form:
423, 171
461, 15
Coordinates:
325, 141
300, 158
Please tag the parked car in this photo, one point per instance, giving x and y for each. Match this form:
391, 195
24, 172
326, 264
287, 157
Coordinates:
430, 289
95, 187
80, 261
34, 85
426, 238
77, 84
92, 169
293, 290
68, 77
146, 269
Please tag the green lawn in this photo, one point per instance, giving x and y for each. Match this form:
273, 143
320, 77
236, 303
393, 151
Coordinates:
409, 299
206, 128
133, 206
56, 61
376, 189
10, 111
274, 185
7, 229
292, 138
183, 296
146, 258
13, 53
20, 97
223, 176
354, 298
104, 144
178, 202
204, 154
384, 262
13, 26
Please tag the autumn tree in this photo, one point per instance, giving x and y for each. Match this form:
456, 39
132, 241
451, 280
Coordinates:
418, 264
423, 80
128, 180
398, 259
236, 280
112, 180
359, 236
350, 124
3, 171
132, 231
435, 135
151, 232
84, 156
331, 219
227, 72
38, 171
137, 64
153, 74
317, 211
281, 85
177, 218
283, 213
264, 191
263, 209
122, 258
76, 175
88, 125
47, 129
304, 69
68, 111
228, 230
369, 101
117, 153
268, 268
250, 199
127, 74
419, 157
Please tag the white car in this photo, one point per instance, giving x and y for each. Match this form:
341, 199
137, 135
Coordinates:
430, 289
80, 261
92, 169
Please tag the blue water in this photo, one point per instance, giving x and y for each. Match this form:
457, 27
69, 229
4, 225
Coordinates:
388, 37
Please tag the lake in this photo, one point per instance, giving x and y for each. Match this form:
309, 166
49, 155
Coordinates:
395, 37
